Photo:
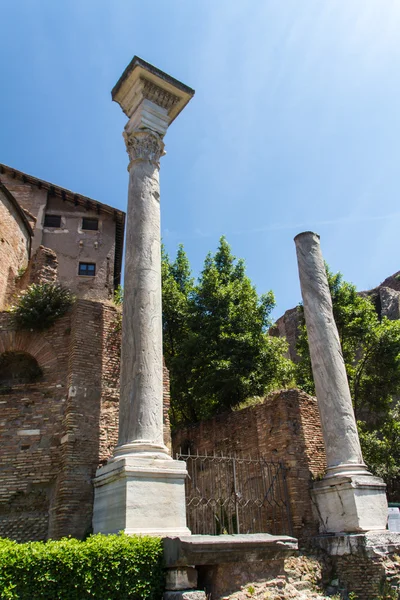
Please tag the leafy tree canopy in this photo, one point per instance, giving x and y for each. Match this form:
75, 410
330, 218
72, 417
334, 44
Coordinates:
371, 351
216, 344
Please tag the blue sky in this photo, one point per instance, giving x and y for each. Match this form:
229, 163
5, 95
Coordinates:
295, 123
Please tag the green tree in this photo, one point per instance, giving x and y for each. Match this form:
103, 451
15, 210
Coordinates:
216, 343
381, 450
371, 351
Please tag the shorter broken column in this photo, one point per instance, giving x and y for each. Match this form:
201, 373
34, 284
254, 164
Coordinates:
348, 498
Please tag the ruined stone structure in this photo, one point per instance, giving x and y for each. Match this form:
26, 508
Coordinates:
385, 297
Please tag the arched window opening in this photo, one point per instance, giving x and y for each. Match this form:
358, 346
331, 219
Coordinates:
17, 368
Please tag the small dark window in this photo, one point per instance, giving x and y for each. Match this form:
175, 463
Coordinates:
88, 269
91, 224
52, 221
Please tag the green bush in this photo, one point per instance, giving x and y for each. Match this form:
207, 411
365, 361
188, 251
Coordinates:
114, 567
40, 305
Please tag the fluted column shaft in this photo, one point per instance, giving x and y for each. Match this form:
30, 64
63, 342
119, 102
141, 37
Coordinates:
343, 451
141, 409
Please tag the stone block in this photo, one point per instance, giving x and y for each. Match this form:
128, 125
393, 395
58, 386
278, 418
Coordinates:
372, 544
183, 578
216, 549
350, 504
185, 595
140, 495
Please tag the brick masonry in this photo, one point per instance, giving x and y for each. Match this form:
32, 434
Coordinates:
54, 433
285, 428
14, 246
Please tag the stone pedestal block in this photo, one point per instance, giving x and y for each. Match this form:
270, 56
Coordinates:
139, 495
350, 504
185, 595
181, 578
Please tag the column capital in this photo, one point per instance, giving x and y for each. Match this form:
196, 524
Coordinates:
150, 98
145, 145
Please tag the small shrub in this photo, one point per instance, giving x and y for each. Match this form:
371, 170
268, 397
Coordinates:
119, 295
21, 272
387, 591
40, 305
102, 567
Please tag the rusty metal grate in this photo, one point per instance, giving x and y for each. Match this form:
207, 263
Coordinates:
233, 494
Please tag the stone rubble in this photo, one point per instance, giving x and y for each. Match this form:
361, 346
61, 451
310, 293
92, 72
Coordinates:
302, 580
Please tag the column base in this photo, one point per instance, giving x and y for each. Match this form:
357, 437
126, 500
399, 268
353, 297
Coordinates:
352, 503
140, 495
347, 469
142, 449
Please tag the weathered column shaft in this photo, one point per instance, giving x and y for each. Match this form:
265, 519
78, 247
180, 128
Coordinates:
334, 400
141, 411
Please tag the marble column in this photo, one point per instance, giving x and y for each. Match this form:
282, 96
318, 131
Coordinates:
141, 489
343, 453
141, 397
348, 498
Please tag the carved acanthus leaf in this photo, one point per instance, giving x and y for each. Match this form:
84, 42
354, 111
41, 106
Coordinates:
144, 145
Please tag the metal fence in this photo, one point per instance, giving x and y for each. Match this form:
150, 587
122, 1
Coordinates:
231, 494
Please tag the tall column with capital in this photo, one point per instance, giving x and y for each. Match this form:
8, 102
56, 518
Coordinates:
141, 489
141, 411
348, 498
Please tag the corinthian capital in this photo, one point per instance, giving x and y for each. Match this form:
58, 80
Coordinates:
144, 144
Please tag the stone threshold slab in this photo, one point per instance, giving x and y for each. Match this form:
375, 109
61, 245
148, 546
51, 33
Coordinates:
371, 544
200, 550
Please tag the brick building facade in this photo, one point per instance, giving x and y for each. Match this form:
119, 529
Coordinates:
86, 235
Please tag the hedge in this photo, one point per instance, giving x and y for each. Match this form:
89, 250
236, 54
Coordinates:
114, 567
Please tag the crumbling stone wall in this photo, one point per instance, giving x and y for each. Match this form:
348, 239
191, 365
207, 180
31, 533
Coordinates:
55, 432
287, 326
366, 576
30, 432
385, 297
42, 268
285, 428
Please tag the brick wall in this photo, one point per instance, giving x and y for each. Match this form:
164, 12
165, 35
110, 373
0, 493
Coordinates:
285, 428
368, 577
14, 248
56, 432
30, 432
42, 268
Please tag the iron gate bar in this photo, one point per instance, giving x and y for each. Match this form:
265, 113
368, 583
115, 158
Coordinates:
232, 494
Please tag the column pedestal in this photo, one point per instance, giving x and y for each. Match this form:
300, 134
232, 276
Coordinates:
139, 495
352, 503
